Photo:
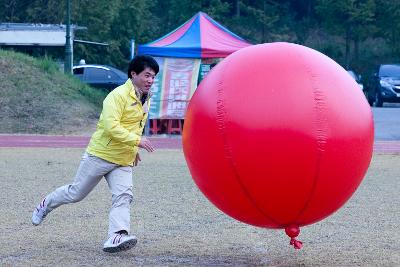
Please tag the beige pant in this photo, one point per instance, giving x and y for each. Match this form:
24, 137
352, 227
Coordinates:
91, 170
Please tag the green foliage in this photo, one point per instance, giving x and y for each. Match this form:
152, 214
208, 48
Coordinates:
358, 34
36, 97
388, 17
47, 65
38, 11
93, 95
259, 22
132, 22
353, 20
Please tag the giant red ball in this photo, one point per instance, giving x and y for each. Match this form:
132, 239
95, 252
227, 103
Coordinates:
278, 135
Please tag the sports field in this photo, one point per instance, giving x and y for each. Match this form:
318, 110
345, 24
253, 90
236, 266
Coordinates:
176, 225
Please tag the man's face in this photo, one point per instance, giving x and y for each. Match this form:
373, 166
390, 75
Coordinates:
144, 80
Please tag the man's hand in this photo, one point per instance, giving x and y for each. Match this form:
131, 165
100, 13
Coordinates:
146, 144
137, 159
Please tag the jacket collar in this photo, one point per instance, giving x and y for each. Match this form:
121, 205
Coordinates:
134, 92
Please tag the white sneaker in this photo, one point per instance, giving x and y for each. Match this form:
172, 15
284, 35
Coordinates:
39, 213
119, 242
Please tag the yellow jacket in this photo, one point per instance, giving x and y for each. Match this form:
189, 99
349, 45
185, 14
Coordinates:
120, 126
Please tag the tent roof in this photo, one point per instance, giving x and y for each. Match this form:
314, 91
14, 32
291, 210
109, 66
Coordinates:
199, 37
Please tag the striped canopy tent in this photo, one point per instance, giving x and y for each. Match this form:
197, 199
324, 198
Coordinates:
185, 56
199, 37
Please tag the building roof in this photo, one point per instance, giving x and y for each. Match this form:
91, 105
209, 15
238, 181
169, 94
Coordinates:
28, 34
37, 27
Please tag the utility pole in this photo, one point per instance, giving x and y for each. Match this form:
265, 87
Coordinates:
68, 47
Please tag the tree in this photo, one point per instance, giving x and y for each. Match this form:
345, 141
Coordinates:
302, 18
46, 12
340, 28
351, 19
388, 23
258, 21
12, 10
98, 17
133, 20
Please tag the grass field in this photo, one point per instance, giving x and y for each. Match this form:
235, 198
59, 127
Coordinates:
37, 98
176, 225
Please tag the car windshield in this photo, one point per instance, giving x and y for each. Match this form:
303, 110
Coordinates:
389, 71
121, 74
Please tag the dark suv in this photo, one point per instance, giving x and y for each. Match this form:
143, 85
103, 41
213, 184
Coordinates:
387, 84
100, 76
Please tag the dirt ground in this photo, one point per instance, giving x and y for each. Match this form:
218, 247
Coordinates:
176, 225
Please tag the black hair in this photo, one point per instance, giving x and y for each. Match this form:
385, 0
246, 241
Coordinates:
139, 63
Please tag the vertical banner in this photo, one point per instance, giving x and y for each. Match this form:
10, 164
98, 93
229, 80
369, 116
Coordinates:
157, 89
204, 70
205, 67
179, 85
174, 87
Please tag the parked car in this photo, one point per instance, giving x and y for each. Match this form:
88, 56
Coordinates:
387, 84
100, 76
357, 78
